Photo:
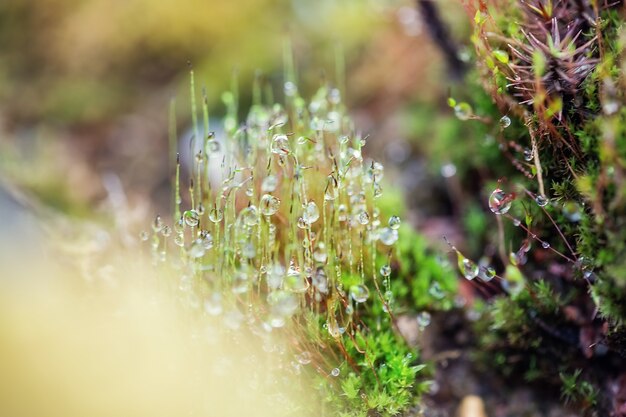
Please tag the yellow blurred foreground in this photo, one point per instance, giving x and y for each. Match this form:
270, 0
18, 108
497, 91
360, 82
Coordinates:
126, 349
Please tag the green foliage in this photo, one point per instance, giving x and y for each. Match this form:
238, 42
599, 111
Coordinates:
386, 378
576, 123
577, 390
429, 282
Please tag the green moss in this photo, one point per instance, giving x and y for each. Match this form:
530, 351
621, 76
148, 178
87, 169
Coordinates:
583, 159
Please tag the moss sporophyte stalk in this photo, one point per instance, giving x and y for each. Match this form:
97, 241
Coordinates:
281, 233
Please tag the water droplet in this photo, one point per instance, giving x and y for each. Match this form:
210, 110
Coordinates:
572, 211
436, 291
320, 254
197, 249
541, 201
216, 215
610, 106
331, 192
516, 222
342, 213
179, 240
505, 121
157, 224
166, 231
233, 319
320, 281
311, 213
207, 239
528, 155
335, 372
388, 236
359, 293
334, 329
376, 172
385, 270
333, 121
240, 283
363, 217
378, 190
269, 204
280, 145
213, 305
545, 245
144, 236
304, 358
191, 218
468, 268
212, 146
250, 216
423, 319
394, 222
179, 226
500, 202
275, 276
334, 96
448, 170
486, 273
290, 89
248, 250
463, 111
269, 184
295, 281
301, 223
518, 259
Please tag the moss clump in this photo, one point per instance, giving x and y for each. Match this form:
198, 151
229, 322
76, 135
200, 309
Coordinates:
287, 232
556, 67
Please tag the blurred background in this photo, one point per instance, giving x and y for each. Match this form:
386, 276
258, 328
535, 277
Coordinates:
85, 86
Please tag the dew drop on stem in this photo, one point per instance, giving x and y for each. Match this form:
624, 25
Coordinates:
388, 236
468, 268
541, 201
191, 218
216, 215
528, 155
269, 183
359, 293
280, 145
486, 273
269, 205
423, 319
500, 202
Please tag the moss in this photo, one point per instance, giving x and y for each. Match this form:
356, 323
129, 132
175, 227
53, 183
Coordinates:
296, 239
577, 125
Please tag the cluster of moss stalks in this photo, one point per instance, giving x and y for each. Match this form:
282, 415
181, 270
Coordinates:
556, 306
287, 232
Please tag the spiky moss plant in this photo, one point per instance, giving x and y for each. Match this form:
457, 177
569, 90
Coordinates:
558, 66
283, 234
